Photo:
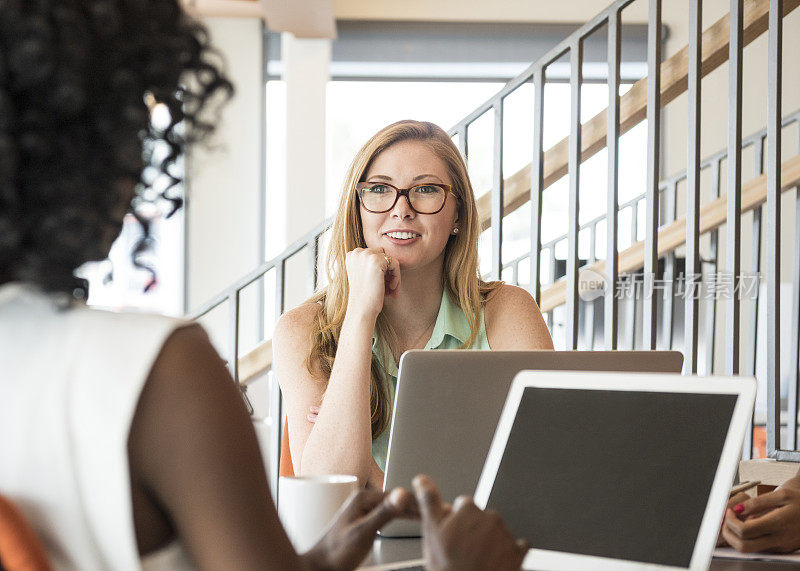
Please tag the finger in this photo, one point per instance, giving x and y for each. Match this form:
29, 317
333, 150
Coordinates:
387, 262
766, 524
735, 525
523, 547
411, 509
392, 282
382, 258
720, 539
750, 545
732, 523
428, 499
361, 502
314, 409
373, 259
739, 498
762, 503
392, 505
401, 499
394, 276
461, 502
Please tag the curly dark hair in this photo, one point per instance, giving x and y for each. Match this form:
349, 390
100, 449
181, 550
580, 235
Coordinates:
78, 80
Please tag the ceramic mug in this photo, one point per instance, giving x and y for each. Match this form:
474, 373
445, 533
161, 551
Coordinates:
307, 504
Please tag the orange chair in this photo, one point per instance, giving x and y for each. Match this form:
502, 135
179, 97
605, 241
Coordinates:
286, 466
20, 547
759, 442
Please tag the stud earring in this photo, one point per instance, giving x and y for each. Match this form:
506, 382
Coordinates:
455, 230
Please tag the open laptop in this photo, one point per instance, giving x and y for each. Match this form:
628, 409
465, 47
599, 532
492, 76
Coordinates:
616, 471
447, 405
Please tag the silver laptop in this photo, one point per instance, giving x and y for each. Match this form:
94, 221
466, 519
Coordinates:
616, 471
448, 403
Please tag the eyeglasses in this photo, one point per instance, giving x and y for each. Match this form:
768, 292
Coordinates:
428, 198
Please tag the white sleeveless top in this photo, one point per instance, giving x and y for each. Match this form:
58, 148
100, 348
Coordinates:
69, 385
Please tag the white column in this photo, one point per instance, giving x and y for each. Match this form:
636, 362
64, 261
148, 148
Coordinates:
223, 182
223, 177
305, 71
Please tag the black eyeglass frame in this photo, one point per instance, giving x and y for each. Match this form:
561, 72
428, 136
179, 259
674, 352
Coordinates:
398, 192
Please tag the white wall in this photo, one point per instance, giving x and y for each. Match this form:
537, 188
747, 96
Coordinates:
223, 181
305, 63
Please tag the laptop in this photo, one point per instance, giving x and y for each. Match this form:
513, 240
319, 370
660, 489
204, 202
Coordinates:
616, 471
447, 405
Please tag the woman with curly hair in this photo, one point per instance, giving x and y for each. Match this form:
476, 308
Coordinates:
403, 274
123, 439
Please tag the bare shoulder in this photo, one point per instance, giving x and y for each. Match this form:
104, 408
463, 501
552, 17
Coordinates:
291, 346
291, 341
509, 302
186, 353
514, 321
189, 379
508, 294
296, 325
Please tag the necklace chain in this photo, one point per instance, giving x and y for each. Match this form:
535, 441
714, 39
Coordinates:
424, 332
429, 327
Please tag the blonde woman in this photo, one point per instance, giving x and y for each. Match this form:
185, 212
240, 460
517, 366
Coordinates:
403, 274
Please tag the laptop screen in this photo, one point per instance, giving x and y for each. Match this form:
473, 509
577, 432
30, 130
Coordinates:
617, 474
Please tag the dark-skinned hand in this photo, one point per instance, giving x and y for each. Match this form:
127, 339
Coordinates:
353, 530
769, 522
464, 537
734, 501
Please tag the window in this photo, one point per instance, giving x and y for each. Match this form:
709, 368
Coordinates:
115, 282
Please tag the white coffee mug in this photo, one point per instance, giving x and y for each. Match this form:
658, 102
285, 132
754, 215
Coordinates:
307, 504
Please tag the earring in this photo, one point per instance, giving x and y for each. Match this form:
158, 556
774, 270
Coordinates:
455, 230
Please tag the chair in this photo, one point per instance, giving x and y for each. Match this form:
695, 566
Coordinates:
20, 547
286, 466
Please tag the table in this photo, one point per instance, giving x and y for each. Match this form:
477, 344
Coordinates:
392, 550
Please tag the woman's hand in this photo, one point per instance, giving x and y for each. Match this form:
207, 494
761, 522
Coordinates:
769, 522
352, 533
371, 277
739, 498
464, 536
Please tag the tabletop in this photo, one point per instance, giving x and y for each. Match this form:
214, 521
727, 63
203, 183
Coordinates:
387, 551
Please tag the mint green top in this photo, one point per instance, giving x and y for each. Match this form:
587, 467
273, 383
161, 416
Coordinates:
450, 332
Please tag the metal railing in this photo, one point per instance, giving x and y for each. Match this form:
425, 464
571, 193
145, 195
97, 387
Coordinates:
659, 198
573, 47
668, 189
231, 296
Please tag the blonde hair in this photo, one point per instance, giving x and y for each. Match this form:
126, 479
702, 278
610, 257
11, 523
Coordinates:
461, 277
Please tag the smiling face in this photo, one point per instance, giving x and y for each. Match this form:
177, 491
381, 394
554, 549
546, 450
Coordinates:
414, 240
